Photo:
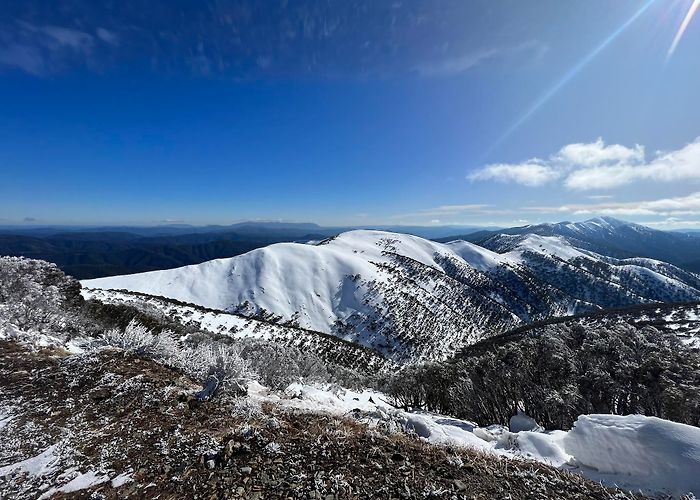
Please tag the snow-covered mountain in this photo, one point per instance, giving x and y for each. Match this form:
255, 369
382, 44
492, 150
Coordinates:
607, 236
411, 298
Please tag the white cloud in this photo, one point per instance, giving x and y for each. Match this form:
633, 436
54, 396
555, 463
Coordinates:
587, 166
597, 153
531, 173
674, 222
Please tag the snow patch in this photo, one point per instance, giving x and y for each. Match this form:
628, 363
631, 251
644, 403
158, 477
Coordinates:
44, 463
646, 451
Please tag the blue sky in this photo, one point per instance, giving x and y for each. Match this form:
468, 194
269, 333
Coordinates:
349, 112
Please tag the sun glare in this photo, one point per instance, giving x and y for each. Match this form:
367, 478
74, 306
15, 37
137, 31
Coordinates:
684, 25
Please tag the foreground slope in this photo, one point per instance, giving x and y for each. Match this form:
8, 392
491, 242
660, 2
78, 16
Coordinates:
411, 298
63, 435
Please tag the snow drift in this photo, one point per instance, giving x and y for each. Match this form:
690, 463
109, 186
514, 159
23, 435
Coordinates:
648, 450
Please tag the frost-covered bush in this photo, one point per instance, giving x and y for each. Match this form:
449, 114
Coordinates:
279, 365
36, 295
134, 339
218, 366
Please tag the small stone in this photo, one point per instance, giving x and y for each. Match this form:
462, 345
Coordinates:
246, 470
460, 485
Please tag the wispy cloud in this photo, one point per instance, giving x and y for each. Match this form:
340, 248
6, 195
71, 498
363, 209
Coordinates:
588, 166
448, 211
668, 207
249, 39
444, 210
41, 50
673, 222
456, 64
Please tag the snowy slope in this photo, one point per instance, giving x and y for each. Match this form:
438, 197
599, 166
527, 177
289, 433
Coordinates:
411, 298
635, 452
608, 236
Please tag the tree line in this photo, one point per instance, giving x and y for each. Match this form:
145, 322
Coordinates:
558, 372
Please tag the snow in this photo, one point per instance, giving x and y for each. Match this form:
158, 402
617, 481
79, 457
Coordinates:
635, 452
535, 445
645, 451
121, 480
477, 257
79, 482
44, 463
522, 422
316, 284
556, 246
83, 481
438, 429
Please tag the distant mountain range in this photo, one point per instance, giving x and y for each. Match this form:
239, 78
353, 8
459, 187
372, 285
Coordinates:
413, 299
603, 235
91, 252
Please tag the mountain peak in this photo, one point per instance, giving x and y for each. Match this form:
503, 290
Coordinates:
607, 220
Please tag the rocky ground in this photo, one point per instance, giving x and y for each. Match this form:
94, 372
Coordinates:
106, 425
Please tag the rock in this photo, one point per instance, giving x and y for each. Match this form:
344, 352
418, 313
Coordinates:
100, 394
460, 485
246, 470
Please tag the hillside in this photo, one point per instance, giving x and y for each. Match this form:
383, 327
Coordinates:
110, 425
607, 236
116, 396
236, 326
410, 298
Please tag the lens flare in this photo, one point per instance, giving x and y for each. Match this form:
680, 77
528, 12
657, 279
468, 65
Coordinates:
686, 21
576, 69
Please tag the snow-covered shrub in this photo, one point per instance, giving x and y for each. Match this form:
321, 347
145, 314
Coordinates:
220, 367
134, 339
35, 295
278, 365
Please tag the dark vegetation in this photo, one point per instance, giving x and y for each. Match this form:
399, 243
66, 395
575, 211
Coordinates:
98, 254
555, 373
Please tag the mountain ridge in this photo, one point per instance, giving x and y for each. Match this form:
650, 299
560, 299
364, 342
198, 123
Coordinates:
607, 236
411, 298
